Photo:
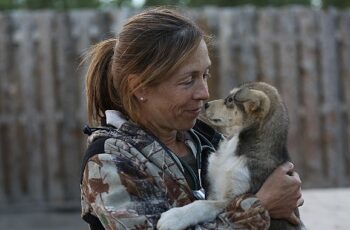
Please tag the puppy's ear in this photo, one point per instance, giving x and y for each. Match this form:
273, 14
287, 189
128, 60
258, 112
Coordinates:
252, 100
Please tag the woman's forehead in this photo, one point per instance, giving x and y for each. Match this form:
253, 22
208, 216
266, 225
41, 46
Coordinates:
198, 61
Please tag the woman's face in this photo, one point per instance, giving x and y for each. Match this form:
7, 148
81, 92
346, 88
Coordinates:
176, 103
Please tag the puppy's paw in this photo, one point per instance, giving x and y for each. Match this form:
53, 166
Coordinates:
173, 219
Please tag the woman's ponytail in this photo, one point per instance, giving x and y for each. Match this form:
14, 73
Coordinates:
99, 80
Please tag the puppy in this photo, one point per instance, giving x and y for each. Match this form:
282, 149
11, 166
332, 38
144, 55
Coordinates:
254, 120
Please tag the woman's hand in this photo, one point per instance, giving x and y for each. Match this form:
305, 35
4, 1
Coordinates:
281, 193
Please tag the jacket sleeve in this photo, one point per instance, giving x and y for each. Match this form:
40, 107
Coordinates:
120, 194
247, 212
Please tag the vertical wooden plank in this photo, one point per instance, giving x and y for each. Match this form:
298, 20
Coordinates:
331, 106
236, 47
83, 25
247, 34
3, 73
266, 21
68, 80
345, 79
31, 130
44, 21
288, 79
13, 107
227, 71
65, 51
311, 128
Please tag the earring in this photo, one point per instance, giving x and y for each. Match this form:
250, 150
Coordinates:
142, 99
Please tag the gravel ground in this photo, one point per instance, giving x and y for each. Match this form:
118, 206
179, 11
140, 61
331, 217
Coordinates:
42, 221
324, 209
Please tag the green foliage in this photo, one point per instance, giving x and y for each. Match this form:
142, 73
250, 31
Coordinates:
6, 4
48, 4
167, 2
258, 3
228, 2
341, 4
116, 3
69, 4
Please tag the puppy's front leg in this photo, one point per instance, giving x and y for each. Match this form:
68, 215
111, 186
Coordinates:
191, 214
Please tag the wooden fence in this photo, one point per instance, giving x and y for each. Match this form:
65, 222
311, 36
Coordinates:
305, 53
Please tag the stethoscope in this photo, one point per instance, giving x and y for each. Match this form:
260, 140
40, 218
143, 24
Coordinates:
198, 190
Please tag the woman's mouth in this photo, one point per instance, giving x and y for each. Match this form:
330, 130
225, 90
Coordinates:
195, 112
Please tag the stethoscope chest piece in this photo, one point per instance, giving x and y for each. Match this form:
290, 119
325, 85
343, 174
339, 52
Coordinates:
199, 194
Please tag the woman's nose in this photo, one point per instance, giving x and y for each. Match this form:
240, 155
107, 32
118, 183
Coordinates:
202, 92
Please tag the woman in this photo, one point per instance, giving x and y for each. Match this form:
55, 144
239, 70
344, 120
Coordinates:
145, 90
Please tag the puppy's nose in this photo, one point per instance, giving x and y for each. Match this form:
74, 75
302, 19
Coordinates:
206, 105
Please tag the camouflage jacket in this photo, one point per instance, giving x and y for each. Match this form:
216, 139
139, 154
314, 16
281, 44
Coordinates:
133, 178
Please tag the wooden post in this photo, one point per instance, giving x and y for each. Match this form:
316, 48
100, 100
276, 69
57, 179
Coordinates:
247, 42
331, 104
266, 33
44, 21
309, 82
31, 127
83, 24
345, 79
3, 73
16, 138
227, 72
288, 79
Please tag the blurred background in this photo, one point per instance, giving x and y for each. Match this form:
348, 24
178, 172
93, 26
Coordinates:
300, 46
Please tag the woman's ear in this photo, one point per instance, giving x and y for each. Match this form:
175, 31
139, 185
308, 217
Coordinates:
134, 85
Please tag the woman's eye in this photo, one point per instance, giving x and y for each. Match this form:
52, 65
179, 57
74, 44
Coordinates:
206, 76
188, 81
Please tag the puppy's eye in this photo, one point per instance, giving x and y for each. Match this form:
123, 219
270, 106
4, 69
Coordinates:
229, 100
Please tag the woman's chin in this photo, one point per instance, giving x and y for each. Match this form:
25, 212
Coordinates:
188, 125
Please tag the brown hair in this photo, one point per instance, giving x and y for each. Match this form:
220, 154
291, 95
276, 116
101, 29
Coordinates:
151, 45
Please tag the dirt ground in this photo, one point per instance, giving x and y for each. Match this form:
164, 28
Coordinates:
324, 209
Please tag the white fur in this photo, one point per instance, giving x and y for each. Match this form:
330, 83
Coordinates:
228, 177
228, 173
191, 214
